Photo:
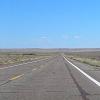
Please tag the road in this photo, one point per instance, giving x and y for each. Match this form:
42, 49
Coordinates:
53, 78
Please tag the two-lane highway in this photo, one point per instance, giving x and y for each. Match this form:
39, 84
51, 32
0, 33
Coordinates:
13, 72
50, 79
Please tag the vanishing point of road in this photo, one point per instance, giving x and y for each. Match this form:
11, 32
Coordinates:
52, 78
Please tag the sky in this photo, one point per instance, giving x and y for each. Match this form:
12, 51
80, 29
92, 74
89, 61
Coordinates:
49, 23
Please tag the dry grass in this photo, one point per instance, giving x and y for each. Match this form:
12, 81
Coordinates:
17, 58
91, 61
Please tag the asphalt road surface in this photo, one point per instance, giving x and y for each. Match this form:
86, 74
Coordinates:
52, 78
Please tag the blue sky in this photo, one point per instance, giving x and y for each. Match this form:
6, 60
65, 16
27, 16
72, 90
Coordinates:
49, 23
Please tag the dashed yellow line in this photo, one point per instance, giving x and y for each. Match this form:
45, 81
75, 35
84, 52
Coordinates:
16, 77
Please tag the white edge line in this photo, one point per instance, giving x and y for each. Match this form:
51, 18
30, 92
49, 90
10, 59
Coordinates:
23, 64
34, 69
85, 74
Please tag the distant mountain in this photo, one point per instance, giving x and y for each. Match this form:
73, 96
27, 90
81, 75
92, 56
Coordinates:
30, 50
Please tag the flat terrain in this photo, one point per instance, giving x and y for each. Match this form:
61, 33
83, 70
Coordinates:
50, 78
16, 58
91, 58
92, 54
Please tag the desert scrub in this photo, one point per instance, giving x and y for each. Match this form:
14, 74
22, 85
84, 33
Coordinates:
89, 61
15, 58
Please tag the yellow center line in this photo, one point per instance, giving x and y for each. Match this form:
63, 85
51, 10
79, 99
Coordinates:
16, 77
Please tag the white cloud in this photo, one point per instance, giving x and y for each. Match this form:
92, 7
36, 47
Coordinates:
43, 41
43, 37
76, 37
65, 37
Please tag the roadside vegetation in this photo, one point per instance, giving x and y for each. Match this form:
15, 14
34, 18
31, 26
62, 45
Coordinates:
13, 58
91, 58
